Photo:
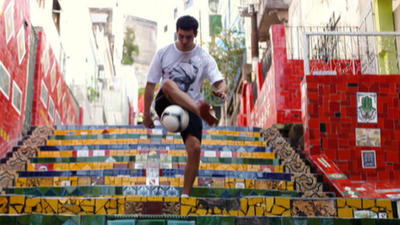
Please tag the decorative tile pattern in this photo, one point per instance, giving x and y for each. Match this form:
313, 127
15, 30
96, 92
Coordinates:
368, 137
367, 107
313, 208
368, 159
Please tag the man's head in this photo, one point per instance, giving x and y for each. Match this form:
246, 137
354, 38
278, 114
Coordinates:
186, 30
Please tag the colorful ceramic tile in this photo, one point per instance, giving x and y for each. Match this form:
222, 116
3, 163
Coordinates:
368, 137
367, 107
364, 214
368, 159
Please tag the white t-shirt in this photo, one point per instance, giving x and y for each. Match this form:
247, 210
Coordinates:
187, 69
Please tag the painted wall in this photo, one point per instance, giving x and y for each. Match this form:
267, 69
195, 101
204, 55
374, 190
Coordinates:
14, 57
334, 125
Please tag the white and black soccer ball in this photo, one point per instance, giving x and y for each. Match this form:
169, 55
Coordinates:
175, 118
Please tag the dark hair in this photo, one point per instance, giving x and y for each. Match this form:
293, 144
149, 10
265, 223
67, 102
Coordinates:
187, 23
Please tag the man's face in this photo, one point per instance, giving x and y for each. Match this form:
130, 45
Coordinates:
185, 38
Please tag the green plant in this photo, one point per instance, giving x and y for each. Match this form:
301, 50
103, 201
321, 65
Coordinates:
227, 48
92, 93
130, 48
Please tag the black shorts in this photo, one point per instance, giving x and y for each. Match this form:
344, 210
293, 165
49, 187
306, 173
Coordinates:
195, 126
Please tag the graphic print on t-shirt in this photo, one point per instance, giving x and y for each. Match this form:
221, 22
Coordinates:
184, 73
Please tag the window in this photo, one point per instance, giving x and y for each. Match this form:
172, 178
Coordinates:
56, 14
175, 13
166, 28
9, 16
41, 3
58, 118
17, 98
188, 3
51, 109
5, 80
45, 94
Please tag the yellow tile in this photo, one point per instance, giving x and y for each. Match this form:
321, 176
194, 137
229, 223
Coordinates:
368, 203
255, 201
201, 212
31, 167
155, 199
185, 210
171, 199
345, 213
270, 203
286, 213
188, 201
28, 209
277, 210
250, 212
17, 200
355, 202
387, 204
375, 209
285, 202
132, 199
259, 211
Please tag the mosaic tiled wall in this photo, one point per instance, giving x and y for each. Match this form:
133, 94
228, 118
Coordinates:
354, 121
14, 52
280, 98
52, 102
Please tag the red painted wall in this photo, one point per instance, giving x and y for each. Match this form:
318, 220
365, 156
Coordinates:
332, 103
11, 120
57, 89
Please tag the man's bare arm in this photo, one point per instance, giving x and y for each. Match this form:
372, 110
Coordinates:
222, 90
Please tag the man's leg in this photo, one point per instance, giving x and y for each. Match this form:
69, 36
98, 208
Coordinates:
176, 96
193, 148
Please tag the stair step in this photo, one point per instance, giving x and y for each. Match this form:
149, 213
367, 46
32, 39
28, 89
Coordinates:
210, 182
159, 159
247, 206
271, 165
204, 153
166, 191
233, 148
150, 136
162, 173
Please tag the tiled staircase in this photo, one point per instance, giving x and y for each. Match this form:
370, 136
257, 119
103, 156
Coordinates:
132, 175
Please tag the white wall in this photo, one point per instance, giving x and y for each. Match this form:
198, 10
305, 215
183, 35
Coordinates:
318, 12
43, 18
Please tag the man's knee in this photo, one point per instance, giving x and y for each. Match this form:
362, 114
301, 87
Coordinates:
168, 85
194, 151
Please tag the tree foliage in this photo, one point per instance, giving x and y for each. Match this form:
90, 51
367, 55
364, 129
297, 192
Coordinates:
227, 48
130, 48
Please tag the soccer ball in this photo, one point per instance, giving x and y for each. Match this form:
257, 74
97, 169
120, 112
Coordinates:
175, 118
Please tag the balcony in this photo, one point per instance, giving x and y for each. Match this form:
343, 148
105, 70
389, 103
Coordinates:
271, 12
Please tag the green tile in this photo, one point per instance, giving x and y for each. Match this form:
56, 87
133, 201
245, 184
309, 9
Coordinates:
180, 222
287, 221
326, 221
227, 220
208, 220
36, 219
368, 221
338, 221
122, 222
275, 221
93, 220
300, 221
151, 222
313, 221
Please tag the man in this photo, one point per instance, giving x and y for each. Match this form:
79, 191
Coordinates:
183, 66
